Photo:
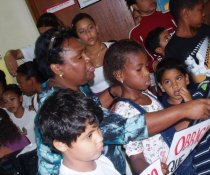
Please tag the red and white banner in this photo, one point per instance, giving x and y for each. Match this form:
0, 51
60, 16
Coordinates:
184, 142
153, 169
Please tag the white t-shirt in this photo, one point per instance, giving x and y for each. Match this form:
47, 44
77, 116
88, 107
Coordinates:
26, 101
103, 167
26, 124
28, 53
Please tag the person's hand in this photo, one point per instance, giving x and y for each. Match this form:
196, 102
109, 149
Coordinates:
185, 94
196, 109
10, 59
164, 168
154, 65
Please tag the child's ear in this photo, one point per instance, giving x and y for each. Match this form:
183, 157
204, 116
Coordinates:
135, 7
118, 75
56, 68
60, 146
184, 13
187, 79
159, 50
161, 87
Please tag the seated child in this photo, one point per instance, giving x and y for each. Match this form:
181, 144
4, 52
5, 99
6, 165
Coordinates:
30, 80
173, 80
23, 118
129, 68
156, 41
75, 133
11, 139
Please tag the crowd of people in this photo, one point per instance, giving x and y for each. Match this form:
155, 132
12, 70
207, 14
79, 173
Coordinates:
86, 106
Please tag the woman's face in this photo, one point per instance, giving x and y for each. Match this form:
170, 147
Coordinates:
87, 31
76, 69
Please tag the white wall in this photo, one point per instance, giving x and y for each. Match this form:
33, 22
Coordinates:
17, 28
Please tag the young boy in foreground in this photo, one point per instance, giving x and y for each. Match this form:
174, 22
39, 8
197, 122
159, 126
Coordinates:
74, 131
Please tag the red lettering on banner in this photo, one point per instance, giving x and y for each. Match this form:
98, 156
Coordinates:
189, 140
182, 140
154, 172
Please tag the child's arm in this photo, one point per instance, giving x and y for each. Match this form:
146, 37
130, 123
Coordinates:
172, 115
138, 163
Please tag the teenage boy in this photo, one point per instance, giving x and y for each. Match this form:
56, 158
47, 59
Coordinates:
190, 44
69, 123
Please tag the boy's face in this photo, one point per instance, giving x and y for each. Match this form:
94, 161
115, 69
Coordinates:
145, 7
164, 38
26, 86
12, 101
88, 146
195, 16
172, 82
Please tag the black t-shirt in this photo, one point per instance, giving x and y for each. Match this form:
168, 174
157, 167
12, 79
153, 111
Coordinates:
193, 52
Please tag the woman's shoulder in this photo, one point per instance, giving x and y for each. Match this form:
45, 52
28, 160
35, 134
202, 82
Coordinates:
125, 108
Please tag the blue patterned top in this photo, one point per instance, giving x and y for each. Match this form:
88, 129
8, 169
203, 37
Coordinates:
116, 132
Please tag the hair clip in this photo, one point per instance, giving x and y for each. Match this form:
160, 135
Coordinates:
51, 42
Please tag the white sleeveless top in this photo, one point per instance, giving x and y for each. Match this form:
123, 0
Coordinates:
100, 83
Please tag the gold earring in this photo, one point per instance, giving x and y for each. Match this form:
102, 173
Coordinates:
61, 75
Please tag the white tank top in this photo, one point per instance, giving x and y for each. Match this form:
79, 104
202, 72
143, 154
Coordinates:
100, 83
